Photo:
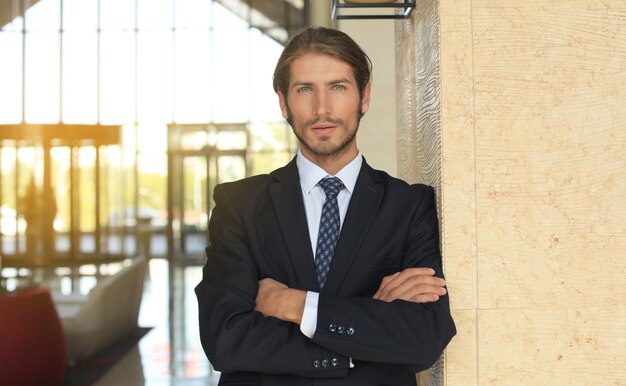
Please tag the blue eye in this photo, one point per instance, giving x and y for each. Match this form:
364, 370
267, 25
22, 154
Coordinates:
304, 89
339, 87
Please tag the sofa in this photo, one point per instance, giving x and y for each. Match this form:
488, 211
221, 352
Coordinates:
108, 313
33, 350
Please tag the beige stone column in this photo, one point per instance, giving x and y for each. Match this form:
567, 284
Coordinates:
516, 112
320, 13
377, 130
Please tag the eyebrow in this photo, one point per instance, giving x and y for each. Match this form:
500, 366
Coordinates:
335, 81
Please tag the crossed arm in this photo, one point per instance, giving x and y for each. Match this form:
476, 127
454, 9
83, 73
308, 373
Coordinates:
418, 285
401, 325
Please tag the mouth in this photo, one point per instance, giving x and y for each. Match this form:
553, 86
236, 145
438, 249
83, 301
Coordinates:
324, 128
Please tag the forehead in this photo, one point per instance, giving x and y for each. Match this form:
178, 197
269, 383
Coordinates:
313, 67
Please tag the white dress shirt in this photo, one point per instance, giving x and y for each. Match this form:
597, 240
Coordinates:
314, 197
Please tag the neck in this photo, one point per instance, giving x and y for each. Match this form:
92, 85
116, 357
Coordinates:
332, 163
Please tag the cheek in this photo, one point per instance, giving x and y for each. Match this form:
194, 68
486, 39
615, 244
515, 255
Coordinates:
299, 113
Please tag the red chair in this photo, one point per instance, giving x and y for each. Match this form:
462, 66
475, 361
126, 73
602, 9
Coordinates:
33, 350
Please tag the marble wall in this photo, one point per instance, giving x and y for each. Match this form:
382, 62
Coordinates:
516, 111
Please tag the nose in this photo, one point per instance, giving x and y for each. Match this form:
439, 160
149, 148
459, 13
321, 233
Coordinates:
322, 105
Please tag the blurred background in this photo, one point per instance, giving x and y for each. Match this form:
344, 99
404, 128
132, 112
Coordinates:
117, 119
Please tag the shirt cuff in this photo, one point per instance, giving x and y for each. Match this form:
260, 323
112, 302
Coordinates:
309, 316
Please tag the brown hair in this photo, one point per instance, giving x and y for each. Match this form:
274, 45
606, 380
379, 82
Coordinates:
323, 41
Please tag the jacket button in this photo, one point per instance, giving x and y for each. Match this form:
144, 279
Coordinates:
341, 330
332, 327
350, 331
335, 362
325, 363
317, 364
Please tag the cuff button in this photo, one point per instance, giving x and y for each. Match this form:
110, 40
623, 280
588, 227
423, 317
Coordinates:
334, 362
350, 331
332, 327
341, 330
317, 364
325, 363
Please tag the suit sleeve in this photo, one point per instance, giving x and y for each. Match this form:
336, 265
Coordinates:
399, 332
233, 335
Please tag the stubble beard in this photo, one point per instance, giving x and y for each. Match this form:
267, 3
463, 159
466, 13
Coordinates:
326, 148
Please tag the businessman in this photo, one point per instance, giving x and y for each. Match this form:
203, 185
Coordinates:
325, 271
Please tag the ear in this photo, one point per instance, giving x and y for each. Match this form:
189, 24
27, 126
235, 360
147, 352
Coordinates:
283, 103
365, 99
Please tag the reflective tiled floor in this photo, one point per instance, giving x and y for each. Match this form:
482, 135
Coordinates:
170, 354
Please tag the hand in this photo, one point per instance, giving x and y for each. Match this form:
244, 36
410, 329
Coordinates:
277, 300
417, 285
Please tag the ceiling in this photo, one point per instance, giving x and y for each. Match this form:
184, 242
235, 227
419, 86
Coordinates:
10, 9
279, 19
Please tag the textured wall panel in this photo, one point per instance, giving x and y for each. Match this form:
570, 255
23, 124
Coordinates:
419, 114
418, 105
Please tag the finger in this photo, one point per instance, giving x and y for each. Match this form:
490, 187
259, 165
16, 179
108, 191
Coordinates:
415, 286
419, 271
426, 298
397, 287
409, 273
423, 290
387, 279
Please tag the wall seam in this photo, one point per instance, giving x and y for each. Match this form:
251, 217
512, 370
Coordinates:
473, 128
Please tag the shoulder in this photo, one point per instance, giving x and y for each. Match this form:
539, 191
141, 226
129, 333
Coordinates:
396, 186
243, 188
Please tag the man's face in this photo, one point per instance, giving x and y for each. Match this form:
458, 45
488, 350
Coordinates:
323, 105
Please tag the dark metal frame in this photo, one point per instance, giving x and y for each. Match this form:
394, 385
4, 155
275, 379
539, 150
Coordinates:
406, 6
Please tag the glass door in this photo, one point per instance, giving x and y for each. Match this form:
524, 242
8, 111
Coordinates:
188, 204
199, 157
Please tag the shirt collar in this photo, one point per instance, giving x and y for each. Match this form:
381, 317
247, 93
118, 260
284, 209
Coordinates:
311, 174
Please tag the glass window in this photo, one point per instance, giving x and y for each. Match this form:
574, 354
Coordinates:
80, 15
87, 183
11, 77
80, 77
43, 81
44, 15
61, 160
230, 168
117, 77
153, 188
117, 15
193, 14
154, 14
203, 68
231, 76
152, 138
192, 76
15, 22
264, 53
154, 76
224, 19
231, 140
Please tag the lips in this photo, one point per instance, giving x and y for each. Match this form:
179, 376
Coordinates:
323, 128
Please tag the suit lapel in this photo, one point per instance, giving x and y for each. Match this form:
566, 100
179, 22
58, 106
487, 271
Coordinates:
364, 204
286, 196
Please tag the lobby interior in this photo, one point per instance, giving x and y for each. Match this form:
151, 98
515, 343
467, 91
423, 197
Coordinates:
118, 118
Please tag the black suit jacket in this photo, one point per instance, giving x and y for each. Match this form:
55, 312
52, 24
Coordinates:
258, 229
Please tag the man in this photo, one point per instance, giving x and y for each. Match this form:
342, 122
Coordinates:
325, 271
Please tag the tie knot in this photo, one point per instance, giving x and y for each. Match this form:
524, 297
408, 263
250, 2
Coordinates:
332, 186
